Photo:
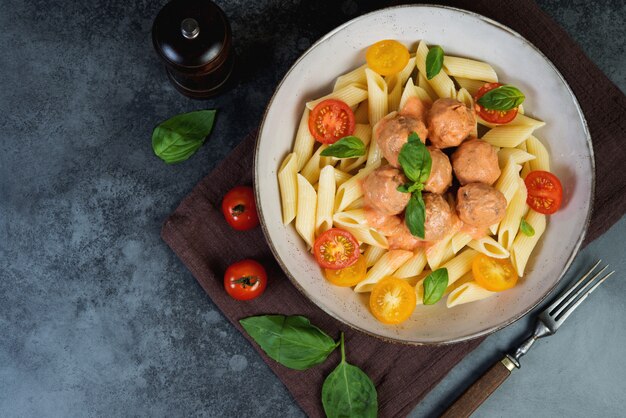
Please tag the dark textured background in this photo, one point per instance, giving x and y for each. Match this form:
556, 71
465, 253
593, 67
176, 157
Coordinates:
99, 318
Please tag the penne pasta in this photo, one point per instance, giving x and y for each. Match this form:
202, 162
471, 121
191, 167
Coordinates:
470, 69
377, 96
351, 94
361, 114
356, 76
442, 84
423, 83
325, 200
436, 253
341, 177
517, 155
288, 184
384, 267
311, 170
405, 74
489, 247
357, 204
372, 254
457, 268
520, 120
472, 86
460, 240
352, 189
542, 159
508, 182
514, 212
305, 217
524, 245
413, 266
508, 136
303, 147
394, 89
467, 292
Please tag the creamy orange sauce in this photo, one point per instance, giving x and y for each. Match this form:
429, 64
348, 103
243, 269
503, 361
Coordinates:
415, 108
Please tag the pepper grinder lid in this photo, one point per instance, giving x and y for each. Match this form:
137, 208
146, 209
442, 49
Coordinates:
192, 36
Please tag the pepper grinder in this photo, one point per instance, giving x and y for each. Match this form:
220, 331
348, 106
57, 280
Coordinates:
194, 41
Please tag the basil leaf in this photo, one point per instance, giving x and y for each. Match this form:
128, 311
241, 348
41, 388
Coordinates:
415, 160
349, 392
290, 340
526, 228
434, 61
347, 147
179, 137
502, 98
414, 137
415, 215
435, 285
404, 188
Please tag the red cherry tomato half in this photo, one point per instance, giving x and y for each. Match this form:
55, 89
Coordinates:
239, 208
490, 115
330, 121
336, 249
245, 280
545, 191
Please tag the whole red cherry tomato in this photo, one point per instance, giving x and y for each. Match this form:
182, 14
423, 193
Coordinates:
239, 208
245, 280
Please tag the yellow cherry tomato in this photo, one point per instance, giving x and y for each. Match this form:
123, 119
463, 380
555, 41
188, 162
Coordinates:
387, 57
392, 300
349, 276
495, 274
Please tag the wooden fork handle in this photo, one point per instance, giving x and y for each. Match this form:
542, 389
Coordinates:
480, 390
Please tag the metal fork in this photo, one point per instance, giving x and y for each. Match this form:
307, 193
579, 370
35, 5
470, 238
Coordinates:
548, 322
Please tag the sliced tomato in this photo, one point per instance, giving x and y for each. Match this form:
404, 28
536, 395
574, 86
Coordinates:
349, 276
545, 191
387, 57
336, 249
330, 121
495, 274
392, 300
489, 115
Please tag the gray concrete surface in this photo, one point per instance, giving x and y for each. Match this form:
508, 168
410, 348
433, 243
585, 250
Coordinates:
99, 318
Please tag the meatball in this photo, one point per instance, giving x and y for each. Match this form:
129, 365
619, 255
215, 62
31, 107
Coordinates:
440, 172
415, 108
449, 123
480, 205
385, 224
380, 192
402, 239
476, 161
439, 217
392, 133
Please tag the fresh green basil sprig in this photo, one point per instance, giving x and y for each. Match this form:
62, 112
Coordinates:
416, 163
435, 286
348, 392
346, 147
434, 61
505, 97
179, 137
295, 343
290, 340
526, 228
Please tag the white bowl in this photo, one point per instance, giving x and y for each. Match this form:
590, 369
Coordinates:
548, 97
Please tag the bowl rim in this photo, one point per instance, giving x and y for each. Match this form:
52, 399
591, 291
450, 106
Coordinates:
464, 338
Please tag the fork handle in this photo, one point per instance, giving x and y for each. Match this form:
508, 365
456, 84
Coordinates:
480, 390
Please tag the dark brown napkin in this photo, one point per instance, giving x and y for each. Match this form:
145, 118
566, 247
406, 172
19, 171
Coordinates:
403, 375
